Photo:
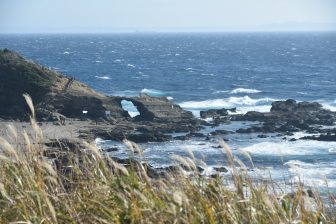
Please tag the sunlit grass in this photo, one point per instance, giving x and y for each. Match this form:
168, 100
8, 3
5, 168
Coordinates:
83, 186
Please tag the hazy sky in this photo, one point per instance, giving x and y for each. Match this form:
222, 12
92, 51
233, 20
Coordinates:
47, 16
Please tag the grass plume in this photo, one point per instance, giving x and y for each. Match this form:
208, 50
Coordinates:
87, 187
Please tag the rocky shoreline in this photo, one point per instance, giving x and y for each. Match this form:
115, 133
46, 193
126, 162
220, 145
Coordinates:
69, 112
287, 117
63, 103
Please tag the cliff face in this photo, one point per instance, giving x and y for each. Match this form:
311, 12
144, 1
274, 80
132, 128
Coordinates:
50, 91
18, 76
53, 93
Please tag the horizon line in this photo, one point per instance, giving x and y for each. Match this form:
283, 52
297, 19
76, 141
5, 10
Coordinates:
180, 32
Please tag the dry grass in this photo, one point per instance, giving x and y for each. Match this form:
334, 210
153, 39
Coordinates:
89, 188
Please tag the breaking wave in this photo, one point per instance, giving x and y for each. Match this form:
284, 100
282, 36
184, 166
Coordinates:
243, 104
242, 90
102, 77
153, 92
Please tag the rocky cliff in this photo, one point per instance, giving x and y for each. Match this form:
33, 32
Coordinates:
57, 95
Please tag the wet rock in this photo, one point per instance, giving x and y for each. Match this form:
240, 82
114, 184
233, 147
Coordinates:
254, 116
112, 149
330, 137
221, 169
148, 137
182, 137
213, 113
283, 106
220, 132
196, 135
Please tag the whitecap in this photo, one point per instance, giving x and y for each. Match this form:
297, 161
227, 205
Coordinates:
153, 92
243, 104
98, 61
259, 108
246, 100
169, 98
221, 91
216, 103
130, 65
66, 52
118, 60
207, 74
243, 90
102, 77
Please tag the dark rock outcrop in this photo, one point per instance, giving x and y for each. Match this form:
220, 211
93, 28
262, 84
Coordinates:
288, 116
329, 137
213, 113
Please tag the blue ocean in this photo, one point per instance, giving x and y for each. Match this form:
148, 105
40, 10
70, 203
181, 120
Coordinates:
201, 71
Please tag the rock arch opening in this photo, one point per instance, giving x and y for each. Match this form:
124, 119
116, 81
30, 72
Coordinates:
130, 108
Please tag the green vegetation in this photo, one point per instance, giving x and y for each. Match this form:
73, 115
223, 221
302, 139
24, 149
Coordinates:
89, 188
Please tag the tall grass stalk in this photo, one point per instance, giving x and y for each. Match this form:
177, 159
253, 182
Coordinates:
89, 188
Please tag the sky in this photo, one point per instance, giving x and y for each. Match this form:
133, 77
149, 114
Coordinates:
96, 16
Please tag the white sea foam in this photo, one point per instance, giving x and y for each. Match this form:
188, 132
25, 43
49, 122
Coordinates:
99, 141
259, 108
118, 60
243, 90
98, 61
169, 98
216, 103
243, 104
304, 147
207, 74
312, 174
102, 77
332, 150
221, 91
130, 65
66, 52
153, 92
329, 106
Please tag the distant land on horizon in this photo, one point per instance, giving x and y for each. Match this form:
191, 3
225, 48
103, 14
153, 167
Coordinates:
275, 27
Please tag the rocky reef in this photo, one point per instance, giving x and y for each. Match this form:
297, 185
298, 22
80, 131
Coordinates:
290, 116
287, 117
